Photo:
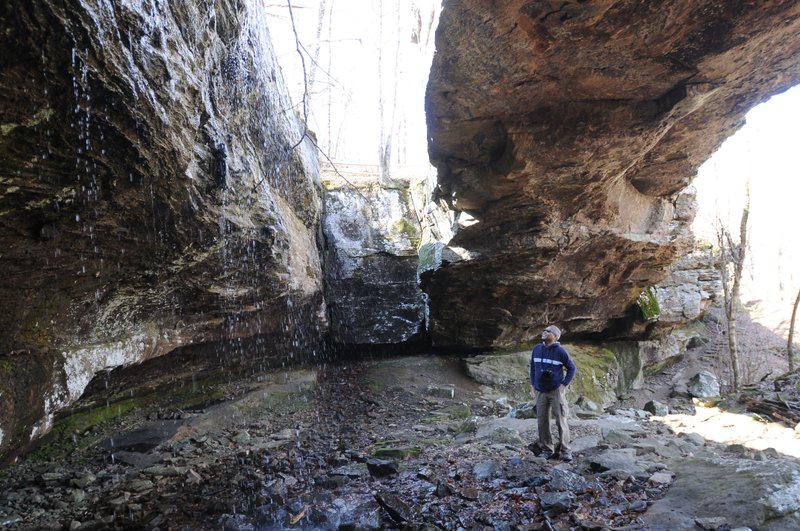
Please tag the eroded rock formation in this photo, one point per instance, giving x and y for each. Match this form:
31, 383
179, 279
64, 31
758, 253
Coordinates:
568, 129
372, 291
154, 193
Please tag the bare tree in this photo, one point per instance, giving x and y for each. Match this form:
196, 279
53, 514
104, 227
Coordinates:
330, 91
731, 264
789, 352
317, 41
386, 129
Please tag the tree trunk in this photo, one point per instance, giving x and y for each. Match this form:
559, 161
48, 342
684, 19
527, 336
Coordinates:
734, 350
734, 254
730, 308
789, 352
384, 170
387, 123
331, 151
738, 265
312, 76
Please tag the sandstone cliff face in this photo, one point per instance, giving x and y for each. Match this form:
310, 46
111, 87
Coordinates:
154, 192
567, 129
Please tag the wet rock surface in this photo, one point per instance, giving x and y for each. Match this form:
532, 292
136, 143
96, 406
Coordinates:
364, 446
371, 284
155, 193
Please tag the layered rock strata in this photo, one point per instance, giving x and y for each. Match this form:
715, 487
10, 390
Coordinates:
372, 290
567, 130
156, 191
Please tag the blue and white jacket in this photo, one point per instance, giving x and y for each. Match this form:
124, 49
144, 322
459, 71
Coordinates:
551, 358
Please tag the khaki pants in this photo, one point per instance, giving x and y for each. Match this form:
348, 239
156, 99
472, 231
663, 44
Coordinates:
556, 402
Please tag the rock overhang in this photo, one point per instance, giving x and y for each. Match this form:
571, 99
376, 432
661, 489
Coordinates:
155, 193
569, 131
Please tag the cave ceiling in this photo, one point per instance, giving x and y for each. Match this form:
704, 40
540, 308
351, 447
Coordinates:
570, 131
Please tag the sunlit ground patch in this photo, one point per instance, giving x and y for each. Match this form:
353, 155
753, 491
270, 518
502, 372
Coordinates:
715, 424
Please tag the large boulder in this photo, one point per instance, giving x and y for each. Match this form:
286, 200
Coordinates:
567, 130
651, 356
602, 373
497, 370
157, 192
704, 384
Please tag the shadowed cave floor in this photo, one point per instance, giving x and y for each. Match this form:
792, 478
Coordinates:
390, 443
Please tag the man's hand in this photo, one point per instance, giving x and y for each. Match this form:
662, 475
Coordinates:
533, 392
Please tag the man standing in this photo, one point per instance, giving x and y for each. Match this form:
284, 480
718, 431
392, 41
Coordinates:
549, 360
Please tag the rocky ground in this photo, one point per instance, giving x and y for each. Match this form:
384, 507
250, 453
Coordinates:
396, 443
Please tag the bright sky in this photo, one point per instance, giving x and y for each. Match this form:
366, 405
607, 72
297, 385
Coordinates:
766, 149
366, 52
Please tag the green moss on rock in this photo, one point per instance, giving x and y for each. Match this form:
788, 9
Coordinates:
60, 442
82, 421
458, 411
597, 376
406, 228
375, 385
469, 425
648, 304
44, 114
504, 435
661, 365
430, 256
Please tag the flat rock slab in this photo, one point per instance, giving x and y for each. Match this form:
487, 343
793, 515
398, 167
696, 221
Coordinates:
663, 448
759, 495
277, 392
415, 374
583, 443
619, 424
143, 439
136, 459
499, 369
518, 425
619, 438
618, 459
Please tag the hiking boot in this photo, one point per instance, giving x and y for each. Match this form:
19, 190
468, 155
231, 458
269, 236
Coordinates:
546, 455
566, 456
